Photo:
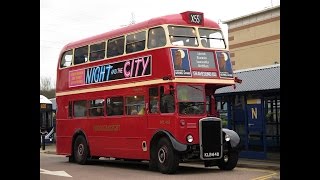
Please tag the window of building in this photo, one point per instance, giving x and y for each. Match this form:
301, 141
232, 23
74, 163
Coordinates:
97, 51
135, 105
156, 37
96, 107
80, 108
80, 55
272, 119
66, 59
115, 46
114, 106
135, 42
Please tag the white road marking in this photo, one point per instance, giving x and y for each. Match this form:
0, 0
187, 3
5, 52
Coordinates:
55, 173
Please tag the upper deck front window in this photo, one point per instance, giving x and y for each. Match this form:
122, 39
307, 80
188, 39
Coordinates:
66, 59
211, 38
183, 36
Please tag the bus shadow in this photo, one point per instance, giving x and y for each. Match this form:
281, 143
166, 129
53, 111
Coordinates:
184, 168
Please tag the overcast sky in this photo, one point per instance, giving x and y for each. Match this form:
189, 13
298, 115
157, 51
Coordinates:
62, 21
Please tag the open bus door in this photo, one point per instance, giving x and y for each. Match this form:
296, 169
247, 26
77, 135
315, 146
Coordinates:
46, 119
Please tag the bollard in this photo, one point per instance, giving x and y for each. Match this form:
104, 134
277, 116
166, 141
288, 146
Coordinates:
43, 141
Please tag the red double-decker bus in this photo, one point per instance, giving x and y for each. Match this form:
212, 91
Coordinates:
146, 92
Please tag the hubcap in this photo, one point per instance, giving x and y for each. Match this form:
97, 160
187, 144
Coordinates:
162, 155
225, 158
80, 149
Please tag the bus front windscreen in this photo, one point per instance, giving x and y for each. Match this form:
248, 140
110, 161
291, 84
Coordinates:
190, 99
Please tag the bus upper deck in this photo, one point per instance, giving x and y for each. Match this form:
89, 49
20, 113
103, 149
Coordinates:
174, 47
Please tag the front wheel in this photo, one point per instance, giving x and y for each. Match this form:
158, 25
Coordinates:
80, 150
228, 161
167, 158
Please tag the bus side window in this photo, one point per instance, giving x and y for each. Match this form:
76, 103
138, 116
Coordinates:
154, 100
135, 105
97, 51
135, 42
115, 47
156, 37
80, 108
114, 106
96, 107
80, 55
167, 104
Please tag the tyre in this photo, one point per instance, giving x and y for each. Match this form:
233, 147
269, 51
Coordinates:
80, 150
71, 158
228, 161
95, 157
167, 159
153, 166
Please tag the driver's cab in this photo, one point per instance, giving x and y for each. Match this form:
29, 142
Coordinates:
187, 100
190, 99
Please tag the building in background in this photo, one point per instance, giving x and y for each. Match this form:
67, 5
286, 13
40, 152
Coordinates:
254, 39
252, 109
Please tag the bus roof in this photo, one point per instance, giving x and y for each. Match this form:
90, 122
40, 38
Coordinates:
44, 100
176, 19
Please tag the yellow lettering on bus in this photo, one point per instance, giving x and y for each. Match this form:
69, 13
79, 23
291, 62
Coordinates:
114, 127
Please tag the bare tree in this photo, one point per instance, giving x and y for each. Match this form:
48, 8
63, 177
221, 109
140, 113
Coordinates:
45, 83
47, 88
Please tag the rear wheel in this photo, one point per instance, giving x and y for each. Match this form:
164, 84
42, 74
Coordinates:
228, 161
95, 157
71, 158
80, 150
167, 158
153, 166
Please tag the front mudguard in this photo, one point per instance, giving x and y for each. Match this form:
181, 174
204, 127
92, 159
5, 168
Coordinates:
176, 145
234, 139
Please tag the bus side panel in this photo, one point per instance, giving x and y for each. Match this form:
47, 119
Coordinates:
102, 133
64, 141
116, 136
133, 131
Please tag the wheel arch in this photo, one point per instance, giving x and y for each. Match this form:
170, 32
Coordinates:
79, 132
163, 133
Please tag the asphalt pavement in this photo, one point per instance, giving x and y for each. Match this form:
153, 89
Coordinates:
242, 162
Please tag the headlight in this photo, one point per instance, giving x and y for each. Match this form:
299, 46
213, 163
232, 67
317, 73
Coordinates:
227, 137
189, 138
